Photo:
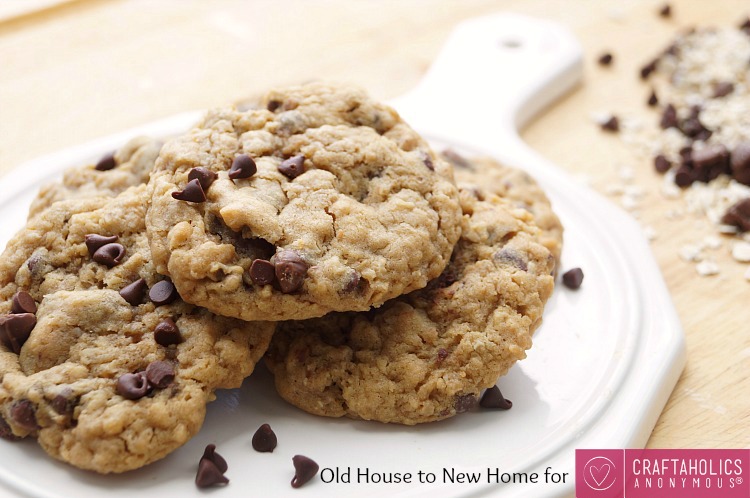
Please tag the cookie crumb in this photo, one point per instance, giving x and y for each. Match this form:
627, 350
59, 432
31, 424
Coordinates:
707, 268
741, 251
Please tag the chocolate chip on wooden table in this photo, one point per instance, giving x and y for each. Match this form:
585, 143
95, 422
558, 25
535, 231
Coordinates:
662, 164
649, 68
163, 292
290, 270
684, 176
109, 255
572, 279
15, 330
740, 163
304, 470
133, 385
264, 439
669, 117
738, 215
166, 333
134, 293
23, 303
193, 192
243, 166
710, 162
493, 398
210, 454
160, 374
292, 167
262, 272
94, 241
204, 176
106, 163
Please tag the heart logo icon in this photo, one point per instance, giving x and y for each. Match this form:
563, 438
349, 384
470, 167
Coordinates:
599, 474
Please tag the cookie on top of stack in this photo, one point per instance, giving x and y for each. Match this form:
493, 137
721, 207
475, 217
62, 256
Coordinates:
143, 283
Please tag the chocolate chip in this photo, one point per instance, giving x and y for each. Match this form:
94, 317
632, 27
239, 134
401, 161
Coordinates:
166, 333
653, 100
106, 163
292, 167
442, 354
61, 403
669, 117
304, 470
264, 439
94, 241
353, 281
493, 398
290, 271
723, 88
662, 164
210, 454
572, 279
160, 374
262, 272
692, 126
427, 160
740, 163
23, 303
465, 402
511, 257
665, 10
134, 293
612, 124
6, 432
605, 59
109, 255
163, 292
648, 69
209, 474
23, 414
193, 192
745, 26
15, 330
273, 105
204, 176
710, 162
243, 166
133, 385
684, 177
456, 159
738, 215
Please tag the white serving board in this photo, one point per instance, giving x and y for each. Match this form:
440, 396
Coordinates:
602, 366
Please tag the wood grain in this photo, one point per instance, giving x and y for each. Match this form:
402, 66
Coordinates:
91, 68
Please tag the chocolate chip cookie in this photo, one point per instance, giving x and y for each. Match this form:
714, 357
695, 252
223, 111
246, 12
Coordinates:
100, 359
111, 174
427, 355
320, 200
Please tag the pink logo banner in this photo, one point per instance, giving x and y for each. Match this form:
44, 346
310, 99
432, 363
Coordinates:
673, 473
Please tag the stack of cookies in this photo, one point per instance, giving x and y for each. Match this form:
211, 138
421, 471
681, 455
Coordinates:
315, 229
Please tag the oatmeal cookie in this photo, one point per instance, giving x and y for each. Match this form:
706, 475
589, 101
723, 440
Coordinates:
321, 200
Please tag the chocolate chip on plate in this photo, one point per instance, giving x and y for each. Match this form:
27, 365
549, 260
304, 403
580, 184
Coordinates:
264, 439
23, 303
210, 454
243, 166
738, 215
572, 279
109, 255
290, 270
605, 59
106, 163
465, 402
211, 468
262, 272
612, 124
133, 293
204, 176
95, 241
166, 333
193, 192
15, 330
740, 163
493, 398
24, 415
133, 385
160, 373
304, 470
163, 292
292, 167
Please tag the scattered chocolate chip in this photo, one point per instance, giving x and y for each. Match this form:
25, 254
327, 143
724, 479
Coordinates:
710, 162
304, 470
493, 398
572, 279
648, 69
665, 10
15, 330
134, 293
683, 177
292, 167
61, 403
722, 89
465, 402
106, 163
692, 126
653, 100
264, 439
160, 373
6, 432
209, 475
210, 454
738, 215
163, 292
23, 303
612, 124
662, 164
669, 117
243, 166
23, 414
166, 333
109, 255
133, 385
193, 192
262, 272
605, 59
204, 176
290, 271
740, 163
94, 241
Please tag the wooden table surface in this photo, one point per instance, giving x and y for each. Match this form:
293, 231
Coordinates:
84, 69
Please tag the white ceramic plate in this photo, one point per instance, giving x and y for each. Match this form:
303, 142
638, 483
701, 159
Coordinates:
601, 368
